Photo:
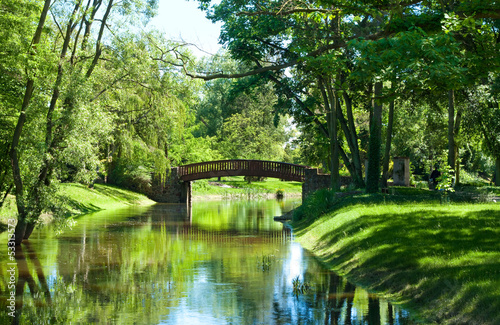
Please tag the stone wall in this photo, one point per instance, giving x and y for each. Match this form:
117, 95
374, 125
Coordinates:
315, 181
171, 189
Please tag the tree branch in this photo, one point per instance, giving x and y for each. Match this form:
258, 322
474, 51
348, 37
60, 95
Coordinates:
244, 74
287, 12
282, 66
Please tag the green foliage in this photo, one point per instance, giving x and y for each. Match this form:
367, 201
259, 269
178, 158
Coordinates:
134, 168
300, 287
266, 262
315, 205
252, 134
194, 149
472, 179
216, 104
423, 51
446, 181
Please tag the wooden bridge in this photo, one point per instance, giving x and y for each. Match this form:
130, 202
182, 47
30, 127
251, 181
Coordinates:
262, 168
177, 187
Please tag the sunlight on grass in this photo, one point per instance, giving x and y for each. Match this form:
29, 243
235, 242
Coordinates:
76, 199
443, 260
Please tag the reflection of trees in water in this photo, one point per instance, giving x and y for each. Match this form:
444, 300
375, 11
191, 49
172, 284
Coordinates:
30, 274
146, 268
344, 303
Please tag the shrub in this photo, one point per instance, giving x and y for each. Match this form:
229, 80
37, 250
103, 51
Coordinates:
132, 177
471, 179
316, 204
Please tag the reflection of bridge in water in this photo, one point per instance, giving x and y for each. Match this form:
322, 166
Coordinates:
232, 236
176, 188
176, 219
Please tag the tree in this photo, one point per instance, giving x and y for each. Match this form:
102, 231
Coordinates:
485, 118
64, 81
15, 24
409, 37
16, 171
251, 132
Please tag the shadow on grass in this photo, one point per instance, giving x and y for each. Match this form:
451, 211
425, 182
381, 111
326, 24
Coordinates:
78, 206
446, 265
116, 193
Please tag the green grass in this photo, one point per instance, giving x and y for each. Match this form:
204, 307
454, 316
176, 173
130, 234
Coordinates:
240, 186
76, 199
441, 261
81, 199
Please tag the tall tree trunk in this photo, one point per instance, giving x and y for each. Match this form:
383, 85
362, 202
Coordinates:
374, 146
46, 169
335, 177
356, 158
51, 140
497, 172
388, 141
88, 22
456, 131
451, 129
16, 171
327, 106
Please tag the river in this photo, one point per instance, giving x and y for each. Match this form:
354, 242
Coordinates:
222, 262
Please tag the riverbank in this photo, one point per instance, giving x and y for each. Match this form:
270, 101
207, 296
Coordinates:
442, 261
76, 199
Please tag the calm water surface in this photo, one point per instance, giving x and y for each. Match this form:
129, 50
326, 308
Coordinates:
223, 262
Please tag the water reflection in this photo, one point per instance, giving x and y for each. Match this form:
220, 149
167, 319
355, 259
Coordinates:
221, 263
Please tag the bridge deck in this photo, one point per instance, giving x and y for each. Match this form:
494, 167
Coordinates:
262, 168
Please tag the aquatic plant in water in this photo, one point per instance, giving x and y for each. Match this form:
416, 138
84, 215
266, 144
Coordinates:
300, 287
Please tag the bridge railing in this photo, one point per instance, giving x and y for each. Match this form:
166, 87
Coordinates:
242, 167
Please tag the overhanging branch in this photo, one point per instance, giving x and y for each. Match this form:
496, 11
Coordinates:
282, 66
244, 74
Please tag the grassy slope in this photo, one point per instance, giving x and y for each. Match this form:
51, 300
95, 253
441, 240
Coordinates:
443, 261
81, 199
78, 199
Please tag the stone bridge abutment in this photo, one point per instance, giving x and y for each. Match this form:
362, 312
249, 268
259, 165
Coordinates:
171, 189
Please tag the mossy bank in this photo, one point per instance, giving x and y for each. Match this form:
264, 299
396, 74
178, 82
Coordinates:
442, 261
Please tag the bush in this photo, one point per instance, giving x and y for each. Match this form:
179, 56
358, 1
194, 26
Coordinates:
315, 205
471, 179
250, 179
135, 178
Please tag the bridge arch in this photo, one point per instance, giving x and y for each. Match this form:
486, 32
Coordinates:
176, 188
240, 167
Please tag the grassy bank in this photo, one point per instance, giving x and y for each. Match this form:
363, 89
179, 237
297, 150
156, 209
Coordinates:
76, 199
441, 261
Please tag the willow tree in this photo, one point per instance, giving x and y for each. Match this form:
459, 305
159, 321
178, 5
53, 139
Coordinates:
67, 49
16, 31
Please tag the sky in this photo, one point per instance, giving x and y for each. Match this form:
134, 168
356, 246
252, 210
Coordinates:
182, 20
